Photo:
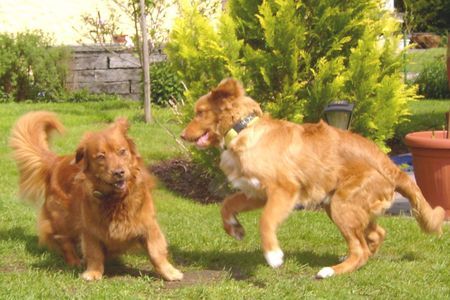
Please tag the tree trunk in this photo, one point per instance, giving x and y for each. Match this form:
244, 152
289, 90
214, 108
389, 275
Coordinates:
145, 66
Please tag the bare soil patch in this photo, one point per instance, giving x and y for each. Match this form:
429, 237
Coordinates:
190, 180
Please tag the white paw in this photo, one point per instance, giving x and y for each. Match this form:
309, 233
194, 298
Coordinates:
325, 273
232, 221
274, 258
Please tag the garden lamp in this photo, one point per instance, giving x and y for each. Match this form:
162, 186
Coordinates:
339, 114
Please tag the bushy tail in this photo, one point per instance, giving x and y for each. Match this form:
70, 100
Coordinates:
430, 220
29, 142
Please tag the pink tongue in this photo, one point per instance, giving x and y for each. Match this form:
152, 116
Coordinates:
203, 140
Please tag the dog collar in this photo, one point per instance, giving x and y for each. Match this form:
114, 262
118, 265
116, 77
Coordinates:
98, 194
239, 126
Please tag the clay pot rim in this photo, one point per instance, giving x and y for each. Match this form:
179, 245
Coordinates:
423, 139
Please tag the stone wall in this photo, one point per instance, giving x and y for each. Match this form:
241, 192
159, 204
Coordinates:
110, 69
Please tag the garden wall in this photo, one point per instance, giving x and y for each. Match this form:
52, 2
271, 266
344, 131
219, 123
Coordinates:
107, 69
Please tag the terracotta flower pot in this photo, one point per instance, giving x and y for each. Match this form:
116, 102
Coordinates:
431, 160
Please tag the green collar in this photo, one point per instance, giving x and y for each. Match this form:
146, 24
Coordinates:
239, 126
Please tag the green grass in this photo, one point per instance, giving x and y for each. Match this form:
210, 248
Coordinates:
417, 59
410, 265
425, 115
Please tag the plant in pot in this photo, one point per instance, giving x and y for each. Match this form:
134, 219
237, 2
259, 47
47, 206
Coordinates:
431, 161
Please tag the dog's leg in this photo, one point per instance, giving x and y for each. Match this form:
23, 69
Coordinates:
67, 247
352, 221
232, 206
94, 256
374, 236
57, 241
280, 203
156, 246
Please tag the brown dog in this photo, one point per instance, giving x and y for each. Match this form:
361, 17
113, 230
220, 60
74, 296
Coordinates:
277, 164
100, 196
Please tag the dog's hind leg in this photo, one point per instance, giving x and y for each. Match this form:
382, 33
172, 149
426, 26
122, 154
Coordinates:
68, 249
232, 206
279, 204
374, 235
353, 220
57, 241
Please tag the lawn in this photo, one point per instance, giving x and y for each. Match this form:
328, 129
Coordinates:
418, 58
410, 265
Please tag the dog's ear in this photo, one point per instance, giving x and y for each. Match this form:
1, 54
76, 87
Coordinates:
132, 146
80, 155
228, 88
122, 124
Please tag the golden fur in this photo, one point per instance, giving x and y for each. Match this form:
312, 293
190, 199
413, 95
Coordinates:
278, 164
100, 196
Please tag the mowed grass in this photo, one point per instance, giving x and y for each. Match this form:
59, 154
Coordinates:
418, 58
425, 115
410, 265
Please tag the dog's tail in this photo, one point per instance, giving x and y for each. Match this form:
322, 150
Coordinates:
29, 142
429, 219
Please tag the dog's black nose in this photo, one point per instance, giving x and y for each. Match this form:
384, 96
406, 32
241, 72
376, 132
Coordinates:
119, 173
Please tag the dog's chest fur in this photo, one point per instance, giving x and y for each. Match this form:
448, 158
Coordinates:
231, 166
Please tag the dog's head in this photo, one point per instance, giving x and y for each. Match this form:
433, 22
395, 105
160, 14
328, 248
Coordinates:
217, 112
109, 158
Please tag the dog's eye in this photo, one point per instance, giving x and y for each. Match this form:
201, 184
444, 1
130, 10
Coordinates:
199, 114
100, 156
123, 152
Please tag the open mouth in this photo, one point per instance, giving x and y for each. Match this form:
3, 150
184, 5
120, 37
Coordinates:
203, 141
119, 185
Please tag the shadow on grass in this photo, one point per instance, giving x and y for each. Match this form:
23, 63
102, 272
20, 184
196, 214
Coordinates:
51, 260
242, 264
239, 265
47, 259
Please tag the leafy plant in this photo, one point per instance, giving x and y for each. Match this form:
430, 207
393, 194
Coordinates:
433, 81
165, 83
426, 15
31, 68
296, 57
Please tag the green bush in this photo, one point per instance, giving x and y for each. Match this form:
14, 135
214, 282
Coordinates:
165, 83
296, 57
30, 68
425, 15
202, 56
432, 80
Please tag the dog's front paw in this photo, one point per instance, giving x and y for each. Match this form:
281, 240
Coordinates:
274, 258
234, 228
91, 275
170, 273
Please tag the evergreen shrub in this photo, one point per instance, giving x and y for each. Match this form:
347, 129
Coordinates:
165, 83
295, 57
432, 80
31, 68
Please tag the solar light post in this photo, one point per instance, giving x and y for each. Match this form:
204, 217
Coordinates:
339, 114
